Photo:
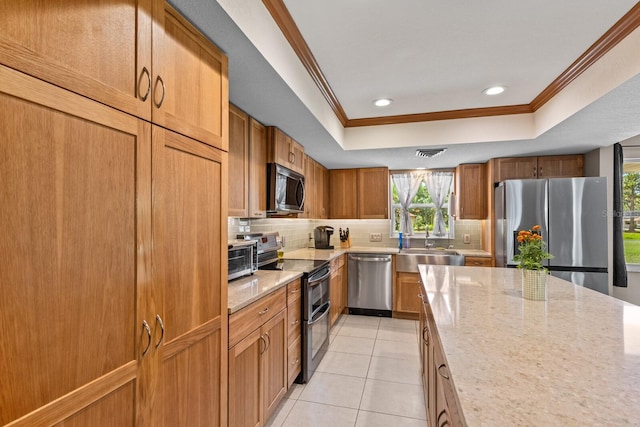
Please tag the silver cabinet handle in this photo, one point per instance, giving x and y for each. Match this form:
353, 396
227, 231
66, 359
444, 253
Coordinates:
265, 311
425, 338
295, 362
159, 321
142, 74
540, 172
268, 342
145, 325
159, 80
535, 171
446, 374
444, 422
262, 338
296, 322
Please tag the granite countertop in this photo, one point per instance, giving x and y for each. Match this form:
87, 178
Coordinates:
573, 360
245, 290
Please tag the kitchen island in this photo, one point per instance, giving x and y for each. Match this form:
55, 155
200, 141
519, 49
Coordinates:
573, 360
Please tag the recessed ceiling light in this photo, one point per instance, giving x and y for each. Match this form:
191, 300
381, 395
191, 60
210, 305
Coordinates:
382, 102
494, 90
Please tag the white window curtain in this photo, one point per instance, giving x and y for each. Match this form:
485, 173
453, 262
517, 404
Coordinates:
438, 184
407, 185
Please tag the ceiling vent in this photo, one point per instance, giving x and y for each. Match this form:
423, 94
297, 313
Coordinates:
429, 152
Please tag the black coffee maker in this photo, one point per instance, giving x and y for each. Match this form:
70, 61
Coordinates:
322, 237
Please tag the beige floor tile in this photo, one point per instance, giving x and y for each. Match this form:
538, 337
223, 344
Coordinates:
332, 389
362, 331
403, 335
294, 391
352, 345
373, 419
353, 320
308, 414
355, 365
394, 399
280, 414
391, 323
396, 349
405, 371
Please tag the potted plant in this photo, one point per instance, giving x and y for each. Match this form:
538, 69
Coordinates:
532, 253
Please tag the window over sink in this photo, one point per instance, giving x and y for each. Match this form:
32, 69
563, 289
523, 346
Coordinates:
425, 195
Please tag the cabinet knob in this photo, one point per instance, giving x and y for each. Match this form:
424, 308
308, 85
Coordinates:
265, 311
540, 172
535, 171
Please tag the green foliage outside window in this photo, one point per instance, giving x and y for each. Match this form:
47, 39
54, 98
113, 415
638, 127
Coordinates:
422, 210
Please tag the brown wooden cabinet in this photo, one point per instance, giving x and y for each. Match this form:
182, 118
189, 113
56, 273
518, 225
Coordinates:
322, 191
476, 261
141, 57
406, 300
471, 191
337, 288
285, 151
359, 193
258, 348
238, 162
538, 167
310, 189
294, 325
373, 193
247, 166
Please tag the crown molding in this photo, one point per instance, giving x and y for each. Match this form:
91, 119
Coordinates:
621, 29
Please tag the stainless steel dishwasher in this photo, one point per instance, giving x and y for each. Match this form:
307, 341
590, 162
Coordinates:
370, 284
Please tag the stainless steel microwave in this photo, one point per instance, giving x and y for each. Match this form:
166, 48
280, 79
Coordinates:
285, 190
243, 258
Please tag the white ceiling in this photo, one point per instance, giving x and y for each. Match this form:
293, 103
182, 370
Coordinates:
427, 56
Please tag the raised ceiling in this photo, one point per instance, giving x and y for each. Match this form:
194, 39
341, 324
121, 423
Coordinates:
429, 57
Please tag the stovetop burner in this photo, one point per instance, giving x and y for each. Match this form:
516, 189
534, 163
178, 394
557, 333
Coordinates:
303, 265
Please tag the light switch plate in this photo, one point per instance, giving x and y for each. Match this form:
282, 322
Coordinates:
466, 238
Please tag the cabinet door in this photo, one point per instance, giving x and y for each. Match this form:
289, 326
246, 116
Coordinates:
406, 299
280, 143
238, 162
257, 169
75, 245
274, 362
343, 301
322, 191
426, 354
310, 186
245, 397
471, 190
189, 232
561, 166
335, 296
516, 168
101, 50
342, 193
189, 80
478, 261
373, 193
297, 156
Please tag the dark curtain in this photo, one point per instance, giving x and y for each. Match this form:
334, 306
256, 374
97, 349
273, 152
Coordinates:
619, 264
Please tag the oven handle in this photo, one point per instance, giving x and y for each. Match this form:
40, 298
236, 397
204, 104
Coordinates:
322, 316
315, 282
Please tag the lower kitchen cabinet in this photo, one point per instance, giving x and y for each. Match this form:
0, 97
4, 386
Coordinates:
258, 371
294, 335
406, 300
337, 288
474, 261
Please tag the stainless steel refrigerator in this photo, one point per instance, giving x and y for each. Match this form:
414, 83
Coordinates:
572, 214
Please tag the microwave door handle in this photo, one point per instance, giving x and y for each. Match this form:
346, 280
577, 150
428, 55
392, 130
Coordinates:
316, 282
304, 195
322, 316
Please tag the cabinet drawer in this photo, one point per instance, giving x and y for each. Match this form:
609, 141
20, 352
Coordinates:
478, 261
294, 361
255, 315
293, 291
295, 321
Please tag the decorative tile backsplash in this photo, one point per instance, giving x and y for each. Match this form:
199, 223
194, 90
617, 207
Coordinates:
298, 233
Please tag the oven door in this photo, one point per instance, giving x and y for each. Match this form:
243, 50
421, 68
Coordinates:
315, 341
317, 294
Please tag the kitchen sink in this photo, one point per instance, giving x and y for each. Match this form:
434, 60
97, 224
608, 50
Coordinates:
408, 259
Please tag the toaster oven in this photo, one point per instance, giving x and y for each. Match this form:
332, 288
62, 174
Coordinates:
243, 258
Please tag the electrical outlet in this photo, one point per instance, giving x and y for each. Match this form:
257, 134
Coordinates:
466, 238
375, 237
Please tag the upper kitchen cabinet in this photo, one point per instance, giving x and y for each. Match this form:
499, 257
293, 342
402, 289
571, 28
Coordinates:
247, 166
322, 191
342, 194
373, 193
104, 51
189, 89
310, 189
101, 50
359, 193
238, 162
471, 191
285, 151
538, 167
